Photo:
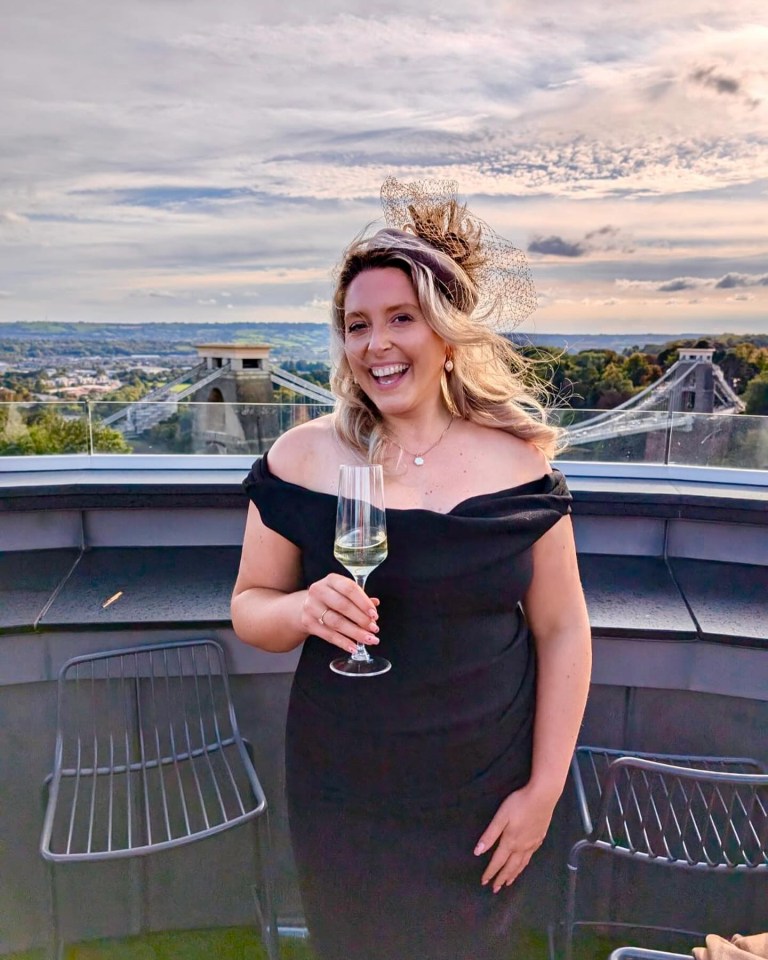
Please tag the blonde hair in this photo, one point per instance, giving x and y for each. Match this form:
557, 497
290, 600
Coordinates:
491, 383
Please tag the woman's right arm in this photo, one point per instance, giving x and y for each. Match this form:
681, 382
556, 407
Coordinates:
267, 602
271, 611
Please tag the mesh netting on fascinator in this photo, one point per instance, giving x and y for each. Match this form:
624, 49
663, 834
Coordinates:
501, 292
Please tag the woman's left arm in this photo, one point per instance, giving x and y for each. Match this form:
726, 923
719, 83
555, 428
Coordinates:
557, 616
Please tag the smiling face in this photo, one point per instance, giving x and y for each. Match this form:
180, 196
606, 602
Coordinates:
395, 356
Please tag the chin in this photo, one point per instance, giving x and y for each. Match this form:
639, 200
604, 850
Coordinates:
395, 409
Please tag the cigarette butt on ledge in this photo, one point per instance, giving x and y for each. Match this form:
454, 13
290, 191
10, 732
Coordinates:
115, 596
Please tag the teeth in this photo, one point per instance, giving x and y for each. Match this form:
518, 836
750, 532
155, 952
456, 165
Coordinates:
389, 371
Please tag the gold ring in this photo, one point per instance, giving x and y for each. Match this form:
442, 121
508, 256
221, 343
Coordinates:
322, 617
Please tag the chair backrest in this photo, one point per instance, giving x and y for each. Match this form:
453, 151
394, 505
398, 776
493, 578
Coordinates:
701, 818
147, 750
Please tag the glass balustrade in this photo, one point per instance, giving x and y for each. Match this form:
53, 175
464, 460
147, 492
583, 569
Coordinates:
605, 436
711, 440
168, 427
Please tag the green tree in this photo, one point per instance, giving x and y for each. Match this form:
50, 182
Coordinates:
312, 371
586, 370
669, 354
641, 369
50, 432
740, 364
614, 387
756, 395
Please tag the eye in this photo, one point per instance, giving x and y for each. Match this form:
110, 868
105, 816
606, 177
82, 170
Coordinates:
356, 326
402, 318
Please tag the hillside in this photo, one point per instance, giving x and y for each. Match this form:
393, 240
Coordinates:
290, 341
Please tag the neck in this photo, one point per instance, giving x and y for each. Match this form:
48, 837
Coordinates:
418, 430
417, 449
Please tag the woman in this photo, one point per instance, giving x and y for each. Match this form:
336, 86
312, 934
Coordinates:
417, 798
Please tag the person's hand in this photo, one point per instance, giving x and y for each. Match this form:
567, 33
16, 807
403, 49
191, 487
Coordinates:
518, 829
336, 609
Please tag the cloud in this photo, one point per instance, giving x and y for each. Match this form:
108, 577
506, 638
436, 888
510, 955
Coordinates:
731, 280
556, 247
9, 217
175, 196
601, 239
608, 238
218, 145
727, 85
625, 283
709, 77
319, 303
681, 283
194, 293
601, 232
726, 282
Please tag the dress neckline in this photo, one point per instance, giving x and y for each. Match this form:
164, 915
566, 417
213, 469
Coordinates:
507, 491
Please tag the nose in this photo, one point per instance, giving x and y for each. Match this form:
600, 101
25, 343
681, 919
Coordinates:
379, 340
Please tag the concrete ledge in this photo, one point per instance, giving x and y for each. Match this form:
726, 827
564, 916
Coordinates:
152, 585
636, 492
634, 597
728, 600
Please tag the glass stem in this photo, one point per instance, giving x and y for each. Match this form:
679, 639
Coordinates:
362, 651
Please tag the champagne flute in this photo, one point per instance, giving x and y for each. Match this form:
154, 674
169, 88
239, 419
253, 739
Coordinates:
360, 546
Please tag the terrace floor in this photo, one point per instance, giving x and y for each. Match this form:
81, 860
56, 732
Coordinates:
242, 943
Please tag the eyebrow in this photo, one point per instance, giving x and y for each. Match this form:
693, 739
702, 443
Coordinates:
392, 309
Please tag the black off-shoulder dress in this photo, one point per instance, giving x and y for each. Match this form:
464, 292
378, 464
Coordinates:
392, 779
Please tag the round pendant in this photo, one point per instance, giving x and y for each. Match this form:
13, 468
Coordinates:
418, 461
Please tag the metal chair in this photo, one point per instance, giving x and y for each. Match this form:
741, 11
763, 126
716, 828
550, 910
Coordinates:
149, 757
694, 813
638, 953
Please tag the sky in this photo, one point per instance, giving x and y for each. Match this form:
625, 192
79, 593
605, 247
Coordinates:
197, 161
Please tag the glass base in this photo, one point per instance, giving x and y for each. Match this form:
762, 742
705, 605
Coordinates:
349, 667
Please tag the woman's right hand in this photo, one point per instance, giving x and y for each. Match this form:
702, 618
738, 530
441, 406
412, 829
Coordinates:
336, 609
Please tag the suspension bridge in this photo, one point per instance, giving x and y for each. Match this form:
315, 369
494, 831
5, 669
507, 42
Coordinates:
694, 384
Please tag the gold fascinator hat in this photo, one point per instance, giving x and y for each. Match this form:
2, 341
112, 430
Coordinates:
489, 277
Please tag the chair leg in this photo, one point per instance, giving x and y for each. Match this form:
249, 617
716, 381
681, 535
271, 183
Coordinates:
570, 910
551, 939
55, 941
264, 895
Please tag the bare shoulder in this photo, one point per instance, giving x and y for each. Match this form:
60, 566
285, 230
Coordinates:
304, 454
530, 459
509, 457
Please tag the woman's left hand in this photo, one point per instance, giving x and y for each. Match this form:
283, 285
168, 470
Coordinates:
518, 829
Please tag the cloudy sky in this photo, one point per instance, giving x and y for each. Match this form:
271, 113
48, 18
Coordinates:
164, 160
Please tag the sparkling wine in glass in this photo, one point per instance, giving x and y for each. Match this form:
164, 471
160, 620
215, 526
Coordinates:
360, 546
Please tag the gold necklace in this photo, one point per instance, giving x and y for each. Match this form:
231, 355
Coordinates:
418, 458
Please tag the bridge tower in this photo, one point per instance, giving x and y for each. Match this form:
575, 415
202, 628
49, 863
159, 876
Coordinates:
694, 392
697, 388
223, 425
